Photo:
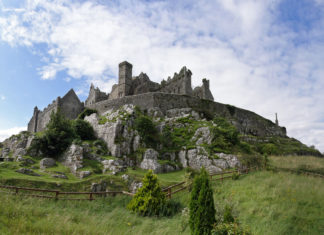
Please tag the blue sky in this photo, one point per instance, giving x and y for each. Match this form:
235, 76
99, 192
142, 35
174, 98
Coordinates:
266, 56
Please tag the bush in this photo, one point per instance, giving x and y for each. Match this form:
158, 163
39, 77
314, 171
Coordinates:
58, 135
83, 129
252, 161
101, 146
202, 210
149, 199
86, 112
269, 149
235, 176
146, 129
229, 229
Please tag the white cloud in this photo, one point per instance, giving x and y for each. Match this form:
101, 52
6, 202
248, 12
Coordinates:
4, 134
253, 60
2, 97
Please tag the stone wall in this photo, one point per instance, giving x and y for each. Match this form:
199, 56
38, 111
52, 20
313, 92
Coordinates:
95, 95
179, 84
69, 105
247, 122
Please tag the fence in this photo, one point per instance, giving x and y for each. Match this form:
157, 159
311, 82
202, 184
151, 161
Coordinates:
223, 175
56, 194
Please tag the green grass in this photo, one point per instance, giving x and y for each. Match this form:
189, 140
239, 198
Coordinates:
275, 203
264, 202
105, 216
293, 162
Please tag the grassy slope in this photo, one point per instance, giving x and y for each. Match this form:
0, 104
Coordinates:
266, 202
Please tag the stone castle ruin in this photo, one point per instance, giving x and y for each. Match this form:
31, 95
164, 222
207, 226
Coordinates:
173, 93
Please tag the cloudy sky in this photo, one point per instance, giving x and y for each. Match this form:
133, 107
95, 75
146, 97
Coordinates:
266, 56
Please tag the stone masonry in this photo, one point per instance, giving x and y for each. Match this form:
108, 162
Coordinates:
173, 93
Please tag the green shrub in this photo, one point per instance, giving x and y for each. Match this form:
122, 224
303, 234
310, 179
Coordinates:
202, 210
228, 217
252, 160
229, 229
146, 129
86, 112
235, 176
101, 146
58, 135
149, 199
83, 129
269, 149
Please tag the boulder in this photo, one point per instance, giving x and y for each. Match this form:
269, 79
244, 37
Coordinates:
231, 160
84, 174
198, 158
46, 163
134, 186
99, 187
183, 158
150, 161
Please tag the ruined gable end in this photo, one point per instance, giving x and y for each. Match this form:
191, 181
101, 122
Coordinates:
70, 105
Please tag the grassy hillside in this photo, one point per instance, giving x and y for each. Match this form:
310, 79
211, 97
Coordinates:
265, 202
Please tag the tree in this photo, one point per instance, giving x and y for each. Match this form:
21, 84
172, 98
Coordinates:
202, 210
83, 129
58, 135
149, 199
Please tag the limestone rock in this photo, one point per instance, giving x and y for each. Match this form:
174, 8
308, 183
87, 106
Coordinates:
150, 161
117, 134
115, 166
183, 158
73, 158
60, 176
231, 160
46, 163
135, 186
84, 174
202, 136
27, 172
198, 158
99, 187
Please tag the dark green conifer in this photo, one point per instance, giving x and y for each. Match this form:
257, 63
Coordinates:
202, 210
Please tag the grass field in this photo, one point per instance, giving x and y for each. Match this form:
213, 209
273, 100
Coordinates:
265, 202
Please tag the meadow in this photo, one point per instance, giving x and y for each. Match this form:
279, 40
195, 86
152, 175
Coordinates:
265, 202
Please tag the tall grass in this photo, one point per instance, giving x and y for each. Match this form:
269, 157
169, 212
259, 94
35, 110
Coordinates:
275, 203
296, 161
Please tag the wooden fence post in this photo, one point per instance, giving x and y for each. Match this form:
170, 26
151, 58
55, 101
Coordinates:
17, 190
90, 197
169, 193
57, 194
222, 177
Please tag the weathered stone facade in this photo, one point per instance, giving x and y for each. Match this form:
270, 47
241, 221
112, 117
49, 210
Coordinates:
69, 105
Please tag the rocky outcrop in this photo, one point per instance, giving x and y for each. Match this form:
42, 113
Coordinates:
198, 158
99, 187
46, 163
73, 158
150, 162
202, 136
117, 131
114, 166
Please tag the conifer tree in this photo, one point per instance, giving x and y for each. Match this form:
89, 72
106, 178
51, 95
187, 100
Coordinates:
202, 210
149, 199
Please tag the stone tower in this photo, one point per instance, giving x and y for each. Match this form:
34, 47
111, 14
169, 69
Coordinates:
125, 79
277, 122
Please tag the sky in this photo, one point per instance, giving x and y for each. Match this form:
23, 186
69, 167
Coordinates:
265, 56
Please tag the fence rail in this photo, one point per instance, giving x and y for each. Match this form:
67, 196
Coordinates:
57, 193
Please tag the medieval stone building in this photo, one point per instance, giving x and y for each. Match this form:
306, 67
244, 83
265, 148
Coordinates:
173, 93
69, 105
